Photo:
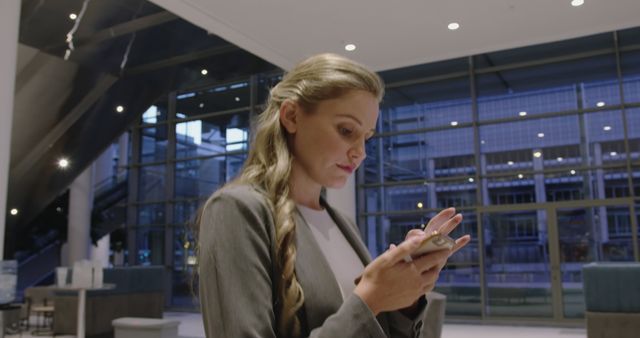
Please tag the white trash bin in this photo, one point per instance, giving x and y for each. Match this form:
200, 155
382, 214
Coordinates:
131, 327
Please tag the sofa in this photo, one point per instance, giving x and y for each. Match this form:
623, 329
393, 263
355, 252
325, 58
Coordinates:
612, 299
138, 292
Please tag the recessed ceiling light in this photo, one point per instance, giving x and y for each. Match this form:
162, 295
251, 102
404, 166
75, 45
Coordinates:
510, 163
471, 179
520, 176
204, 72
453, 26
613, 153
540, 135
537, 154
14, 211
576, 3
119, 109
419, 205
73, 16
600, 104
606, 128
201, 105
522, 113
560, 159
573, 172
350, 47
454, 123
237, 99
63, 163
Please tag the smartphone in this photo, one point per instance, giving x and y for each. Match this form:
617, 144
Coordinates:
434, 242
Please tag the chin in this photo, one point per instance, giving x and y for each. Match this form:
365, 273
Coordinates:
336, 183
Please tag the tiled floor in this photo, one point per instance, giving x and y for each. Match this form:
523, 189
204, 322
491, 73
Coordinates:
191, 327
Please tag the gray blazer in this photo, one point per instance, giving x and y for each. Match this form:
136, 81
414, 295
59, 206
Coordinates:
237, 243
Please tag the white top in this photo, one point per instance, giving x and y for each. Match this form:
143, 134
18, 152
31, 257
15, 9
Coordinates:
343, 260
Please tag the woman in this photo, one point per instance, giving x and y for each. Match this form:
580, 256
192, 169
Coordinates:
274, 259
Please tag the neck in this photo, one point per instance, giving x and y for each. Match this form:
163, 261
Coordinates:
304, 190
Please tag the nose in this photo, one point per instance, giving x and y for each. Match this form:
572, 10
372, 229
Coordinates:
358, 152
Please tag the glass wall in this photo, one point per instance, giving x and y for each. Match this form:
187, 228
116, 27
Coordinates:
538, 147
184, 148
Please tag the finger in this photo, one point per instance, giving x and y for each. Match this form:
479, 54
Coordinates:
430, 277
431, 260
460, 243
414, 232
405, 248
392, 246
451, 224
440, 218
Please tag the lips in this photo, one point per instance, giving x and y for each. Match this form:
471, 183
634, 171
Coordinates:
347, 168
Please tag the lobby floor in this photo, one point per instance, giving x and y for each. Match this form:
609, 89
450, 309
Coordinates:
191, 327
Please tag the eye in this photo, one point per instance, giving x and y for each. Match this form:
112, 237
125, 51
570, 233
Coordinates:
345, 131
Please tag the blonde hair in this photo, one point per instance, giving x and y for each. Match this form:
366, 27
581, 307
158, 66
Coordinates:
268, 166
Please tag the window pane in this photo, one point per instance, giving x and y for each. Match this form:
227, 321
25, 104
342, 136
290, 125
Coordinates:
517, 264
426, 105
543, 51
184, 266
184, 212
153, 144
212, 135
555, 87
156, 113
201, 177
219, 98
152, 183
151, 214
588, 235
149, 245
460, 278
427, 156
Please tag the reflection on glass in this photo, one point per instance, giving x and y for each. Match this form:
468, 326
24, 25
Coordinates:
151, 186
201, 177
212, 136
517, 264
149, 245
151, 214
587, 235
219, 98
184, 212
153, 145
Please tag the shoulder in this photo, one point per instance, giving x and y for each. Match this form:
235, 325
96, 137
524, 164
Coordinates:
242, 198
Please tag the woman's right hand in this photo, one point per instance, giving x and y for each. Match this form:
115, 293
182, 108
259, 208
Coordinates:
390, 283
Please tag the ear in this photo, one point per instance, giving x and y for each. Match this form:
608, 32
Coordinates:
289, 111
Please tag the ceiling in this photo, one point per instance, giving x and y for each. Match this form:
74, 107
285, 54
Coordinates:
393, 34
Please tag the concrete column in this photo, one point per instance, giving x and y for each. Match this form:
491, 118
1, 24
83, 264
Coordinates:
104, 167
9, 23
103, 171
80, 204
344, 200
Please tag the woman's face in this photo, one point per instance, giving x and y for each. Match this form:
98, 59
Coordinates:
329, 142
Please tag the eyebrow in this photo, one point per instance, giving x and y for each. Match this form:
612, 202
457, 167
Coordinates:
373, 131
